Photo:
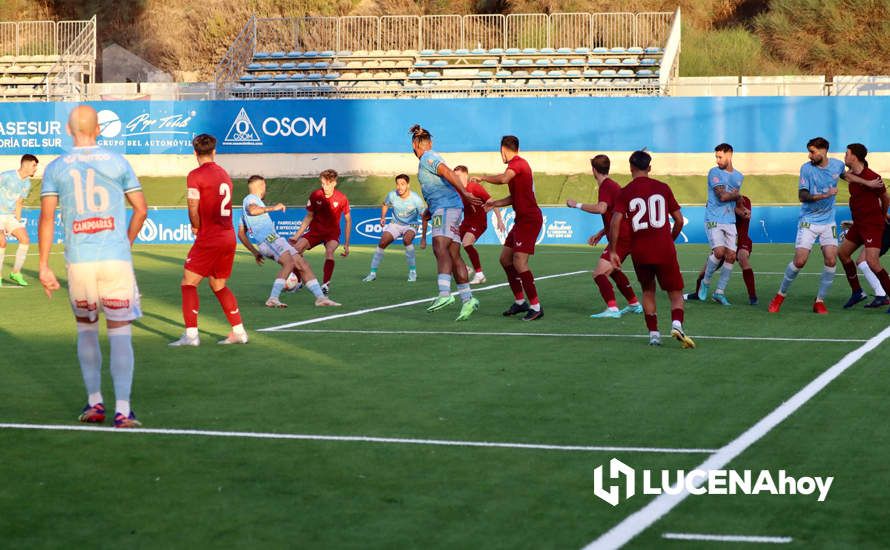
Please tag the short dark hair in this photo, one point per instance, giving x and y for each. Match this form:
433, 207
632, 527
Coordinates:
723, 148
27, 157
403, 177
419, 133
640, 160
511, 143
601, 164
818, 143
330, 174
255, 177
461, 168
204, 144
859, 151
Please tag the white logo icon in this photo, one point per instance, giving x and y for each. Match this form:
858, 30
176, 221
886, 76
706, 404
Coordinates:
616, 470
109, 124
149, 231
242, 131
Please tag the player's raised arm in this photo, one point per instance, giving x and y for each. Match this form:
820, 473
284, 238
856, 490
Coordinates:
45, 229
500, 179
590, 208
140, 213
876, 183
491, 203
449, 175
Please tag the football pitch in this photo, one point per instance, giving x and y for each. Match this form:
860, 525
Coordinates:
379, 425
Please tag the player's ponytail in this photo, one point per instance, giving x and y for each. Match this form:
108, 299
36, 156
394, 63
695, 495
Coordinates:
418, 133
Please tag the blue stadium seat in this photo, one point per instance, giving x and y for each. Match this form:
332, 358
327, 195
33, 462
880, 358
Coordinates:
649, 50
529, 51
608, 72
247, 78
564, 51
290, 65
555, 73
310, 54
304, 65
600, 50
427, 52
547, 51
253, 66
440, 63
277, 55
294, 77
613, 61
280, 77
626, 72
496, 51
616, 49
636, 50
446, 51
596, 61
294, 54
313, 76
264, 77
573, 73
520, 74
508, 63
561, 61
648, 61
499, 74
479, 51
462, 51
513, 51
490, 62
270, 65
415, 74
524, 62
484, 74
583, 51
644, 72
542, 62
320, 65
537, 74
576, 62
591, 72
629, 61
327, 53
432, 74
332, 76
421, 63
261, 55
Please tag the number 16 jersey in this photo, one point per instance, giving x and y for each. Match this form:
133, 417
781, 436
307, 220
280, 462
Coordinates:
647, 203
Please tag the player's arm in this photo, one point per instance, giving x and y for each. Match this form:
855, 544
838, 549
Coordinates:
598, 236
804, 195
590, 208
242, 236
348, 216
876, 183
491, 203
614, 231
307, 219
45, 229
256, 210
726, 196
501, 226
885, 204
140, 213
18, 208
500, 179
678, 224
424, 224
384, 208
444, 171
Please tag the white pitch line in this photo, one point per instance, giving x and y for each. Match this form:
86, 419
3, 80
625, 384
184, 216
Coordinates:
402, 304
639, 521
357, 438
727, 538
563, 335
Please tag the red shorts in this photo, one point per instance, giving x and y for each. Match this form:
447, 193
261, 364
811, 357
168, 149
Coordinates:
869, 235
523, 234
317, 238
211, 258
623, 249
745, 244
473, 228
667, 273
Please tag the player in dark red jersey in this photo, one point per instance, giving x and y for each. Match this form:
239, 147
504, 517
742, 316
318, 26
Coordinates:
321, 225
609, 190
210, 212
868, 205
475, 222
646, 203
520, 242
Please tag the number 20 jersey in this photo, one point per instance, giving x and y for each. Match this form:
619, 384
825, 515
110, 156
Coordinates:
91, 183
647, 203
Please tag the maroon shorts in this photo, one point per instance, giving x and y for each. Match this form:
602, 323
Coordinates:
745, 244
667, 273
475, 229
868, 235
317, 238
623, 249
211, 259
523, 234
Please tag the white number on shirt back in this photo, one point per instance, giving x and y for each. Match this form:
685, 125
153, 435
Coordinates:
93, 198
648, 214
226, 194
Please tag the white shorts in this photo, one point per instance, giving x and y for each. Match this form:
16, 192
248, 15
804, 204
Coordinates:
446, 223
807, 234
110, 284
9, 223
276, 247
399, 230
721, 234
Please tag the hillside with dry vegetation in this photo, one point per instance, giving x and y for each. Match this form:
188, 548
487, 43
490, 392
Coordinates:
721, 37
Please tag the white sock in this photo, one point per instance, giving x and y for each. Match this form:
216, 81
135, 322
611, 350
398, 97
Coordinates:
410, 257
518, 302
20, 256
375, 261
654, 333
314, 288
123, 407
677, 325
713, 262
277, 287
725, 275
122, 361
465, 294
95, 398
90, 356
444, 282
613, 308
239, 329
872, 279
191, 332
535, 307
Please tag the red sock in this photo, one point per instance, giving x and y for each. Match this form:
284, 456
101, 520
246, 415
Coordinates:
652, 322
515, 282
328, 270
624, 286
528, 285
885, 280
229, 305
606, 290
748, 276
474, 257
190, 305
677, 315
852, 276
698, 281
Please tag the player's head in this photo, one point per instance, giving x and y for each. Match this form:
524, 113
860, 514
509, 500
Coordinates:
403, 184
856, 153
723, 154
204, 146
83, 126
462, 173
509, 148
600, 165
640, 163
28, 165
256, 184
421, 140
818, 149
328, 180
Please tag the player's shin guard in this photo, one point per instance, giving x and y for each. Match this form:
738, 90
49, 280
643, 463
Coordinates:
90, 356
712, 265
872, 279
465, 293
725, 275
677, 316
229, 305
528, 286
651, 322
748, 276
825, 281
411, 257
121, 342
852, 276
791, 273
315, 288
277, 287
375, 261
624, 286
515, 283
473, 254
190, 306
443, 281
20, 256
328, 271
602, 282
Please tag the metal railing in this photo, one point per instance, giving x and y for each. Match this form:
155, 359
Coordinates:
48, 38
76, 67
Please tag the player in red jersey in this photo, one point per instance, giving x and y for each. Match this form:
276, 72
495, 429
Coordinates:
646, 203
321, 224
609, 190
475, 222
868, 205
520, 242
210, 212
745, 247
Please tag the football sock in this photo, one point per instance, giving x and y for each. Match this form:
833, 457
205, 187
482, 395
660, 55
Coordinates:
884, 279
624, 286
328, 271
20, 254
825, 281
314, 288
94, 398
698, 282
90, 356
190, 306
725, 274
515, 283
791, 272
602, 282
528, 286
677, 317
122, 360
411, 257
474, 257
710, 268
277, 287
873, 281
748, 276
652, 322
229, 306
465, 294
444, 282
375, 261
852, 276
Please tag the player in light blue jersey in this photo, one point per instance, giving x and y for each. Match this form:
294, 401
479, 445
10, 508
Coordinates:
14, 187
442, 191
817, 191
724, 190
257, 227
406, 207
90, 184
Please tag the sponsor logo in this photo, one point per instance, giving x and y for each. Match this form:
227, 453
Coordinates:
109, 124
93, 225
296, 126
559, 229
85, 304
113, 303
372, 229
509, 216
701, 482
242, 131
153, 231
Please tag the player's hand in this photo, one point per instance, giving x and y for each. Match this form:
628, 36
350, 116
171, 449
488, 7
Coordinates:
489, 204
571, 203
345, 250
382, 222
259, 258
594, 240
49, 281
616, 260
293, 240
194, 230
501, 227
423, 244
472, 199
832, 191
279, 207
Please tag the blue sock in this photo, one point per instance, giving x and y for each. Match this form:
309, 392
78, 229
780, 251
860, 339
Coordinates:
444, 281
314, 288
410, 257
790, 274
725, 274
277, 287
710, 268
90, 356
122, 361
465, 293
825, 281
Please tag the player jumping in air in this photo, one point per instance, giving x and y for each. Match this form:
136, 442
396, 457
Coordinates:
90, 184
609, 190
407, 207
209, 196
646, 203
475, 222
14, 188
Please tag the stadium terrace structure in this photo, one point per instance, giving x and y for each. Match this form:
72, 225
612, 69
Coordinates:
453, 56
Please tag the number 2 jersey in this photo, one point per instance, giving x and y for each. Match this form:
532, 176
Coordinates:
91, 183
212, 187
647, 203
